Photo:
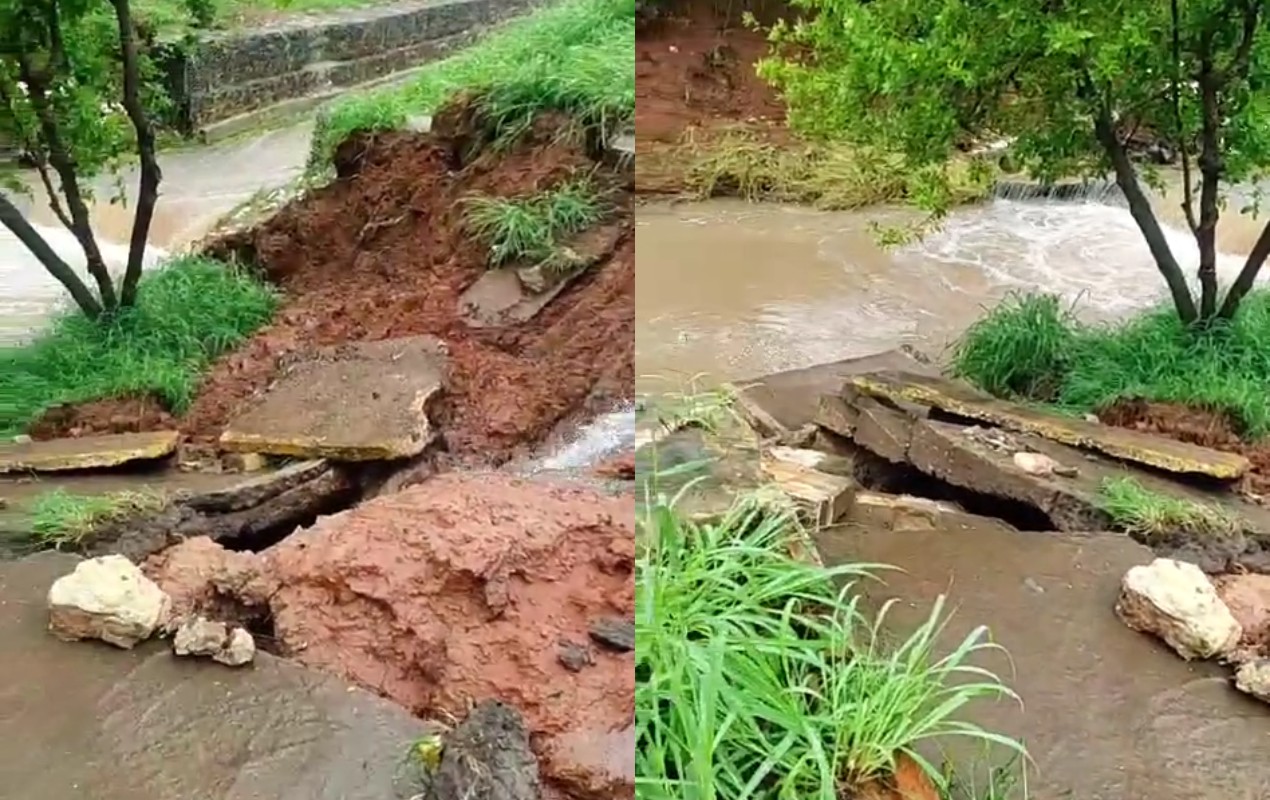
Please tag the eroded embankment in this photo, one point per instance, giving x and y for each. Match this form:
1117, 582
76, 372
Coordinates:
383, 253
458, 590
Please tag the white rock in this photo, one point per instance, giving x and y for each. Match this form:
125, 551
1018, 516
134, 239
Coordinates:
1035, 463
1253, 677
106, 598
239, 650
199, 636
1177, 602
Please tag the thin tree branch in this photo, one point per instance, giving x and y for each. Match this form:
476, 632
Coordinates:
1188, 190
1247, 275
1211, 167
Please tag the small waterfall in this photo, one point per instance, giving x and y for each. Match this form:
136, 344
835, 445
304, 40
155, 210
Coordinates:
1105, 192
605, 436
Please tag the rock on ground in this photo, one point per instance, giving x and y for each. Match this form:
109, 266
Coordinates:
106, 598
1176, 601
488, 756
199, 636
1253, 677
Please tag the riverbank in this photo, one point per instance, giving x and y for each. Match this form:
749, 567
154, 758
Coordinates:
708, 126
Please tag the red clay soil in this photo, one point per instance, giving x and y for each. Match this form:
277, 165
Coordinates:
463, 588
382, 253
119, 415
619, 468
1204, 427
693, 69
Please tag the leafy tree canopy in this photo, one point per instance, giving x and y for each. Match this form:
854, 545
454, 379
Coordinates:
1067, 81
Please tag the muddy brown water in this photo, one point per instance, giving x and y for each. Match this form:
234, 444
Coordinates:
736, 290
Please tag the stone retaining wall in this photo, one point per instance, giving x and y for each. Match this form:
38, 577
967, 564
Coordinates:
230, 75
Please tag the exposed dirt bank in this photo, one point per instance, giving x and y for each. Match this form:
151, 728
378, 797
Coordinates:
1204, 427
464, 588
382, 253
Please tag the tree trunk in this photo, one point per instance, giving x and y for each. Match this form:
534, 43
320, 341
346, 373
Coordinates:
1210, 169
151, 175
1247, 275
12, 219
1144, 216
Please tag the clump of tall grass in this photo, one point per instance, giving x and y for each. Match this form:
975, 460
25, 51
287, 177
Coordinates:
533, 229
61, 520
187, 313
577, 57
1031, 347
1150, 515
757, 677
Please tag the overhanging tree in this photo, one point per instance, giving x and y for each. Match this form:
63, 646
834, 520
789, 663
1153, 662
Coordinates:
1069, 81
74, 91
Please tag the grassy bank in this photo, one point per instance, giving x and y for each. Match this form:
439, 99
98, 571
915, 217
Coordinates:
828, 175
1033, 347
61, 520
577, 57
187, 314
757, 678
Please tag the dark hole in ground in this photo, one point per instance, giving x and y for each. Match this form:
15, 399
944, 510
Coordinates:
877, 474
253, 539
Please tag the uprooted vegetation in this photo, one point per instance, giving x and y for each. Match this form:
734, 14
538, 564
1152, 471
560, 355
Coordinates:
536, 228
760, 675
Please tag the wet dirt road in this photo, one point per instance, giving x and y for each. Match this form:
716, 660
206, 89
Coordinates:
91, 721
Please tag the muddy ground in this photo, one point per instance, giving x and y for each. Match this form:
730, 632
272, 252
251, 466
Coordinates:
381, 253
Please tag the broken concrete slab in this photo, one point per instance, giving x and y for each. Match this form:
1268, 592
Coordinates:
143, 724
902, 512
365, 401
89, 452
982, 461
965, 401
783, 402
511, 296
821, 497
1047, 599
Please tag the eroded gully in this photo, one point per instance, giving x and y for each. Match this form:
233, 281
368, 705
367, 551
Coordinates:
729, 291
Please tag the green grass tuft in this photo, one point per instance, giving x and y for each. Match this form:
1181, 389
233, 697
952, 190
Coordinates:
1151, 515
1030, 347
61, 521
756, 678
577, 57
533, 229
187, 313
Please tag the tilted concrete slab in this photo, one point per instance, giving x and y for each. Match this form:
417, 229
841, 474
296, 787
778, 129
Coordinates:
785, 401
1107, 713
89, 452
365, 401
965, 401
86, 720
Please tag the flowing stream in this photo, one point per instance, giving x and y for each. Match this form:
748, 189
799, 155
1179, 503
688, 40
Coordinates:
732, 290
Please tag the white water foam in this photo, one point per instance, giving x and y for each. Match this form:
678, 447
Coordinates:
28, 293
604, 436
1087, 252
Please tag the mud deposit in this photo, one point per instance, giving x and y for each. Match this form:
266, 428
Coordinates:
458, 590
382, 253
694, 68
